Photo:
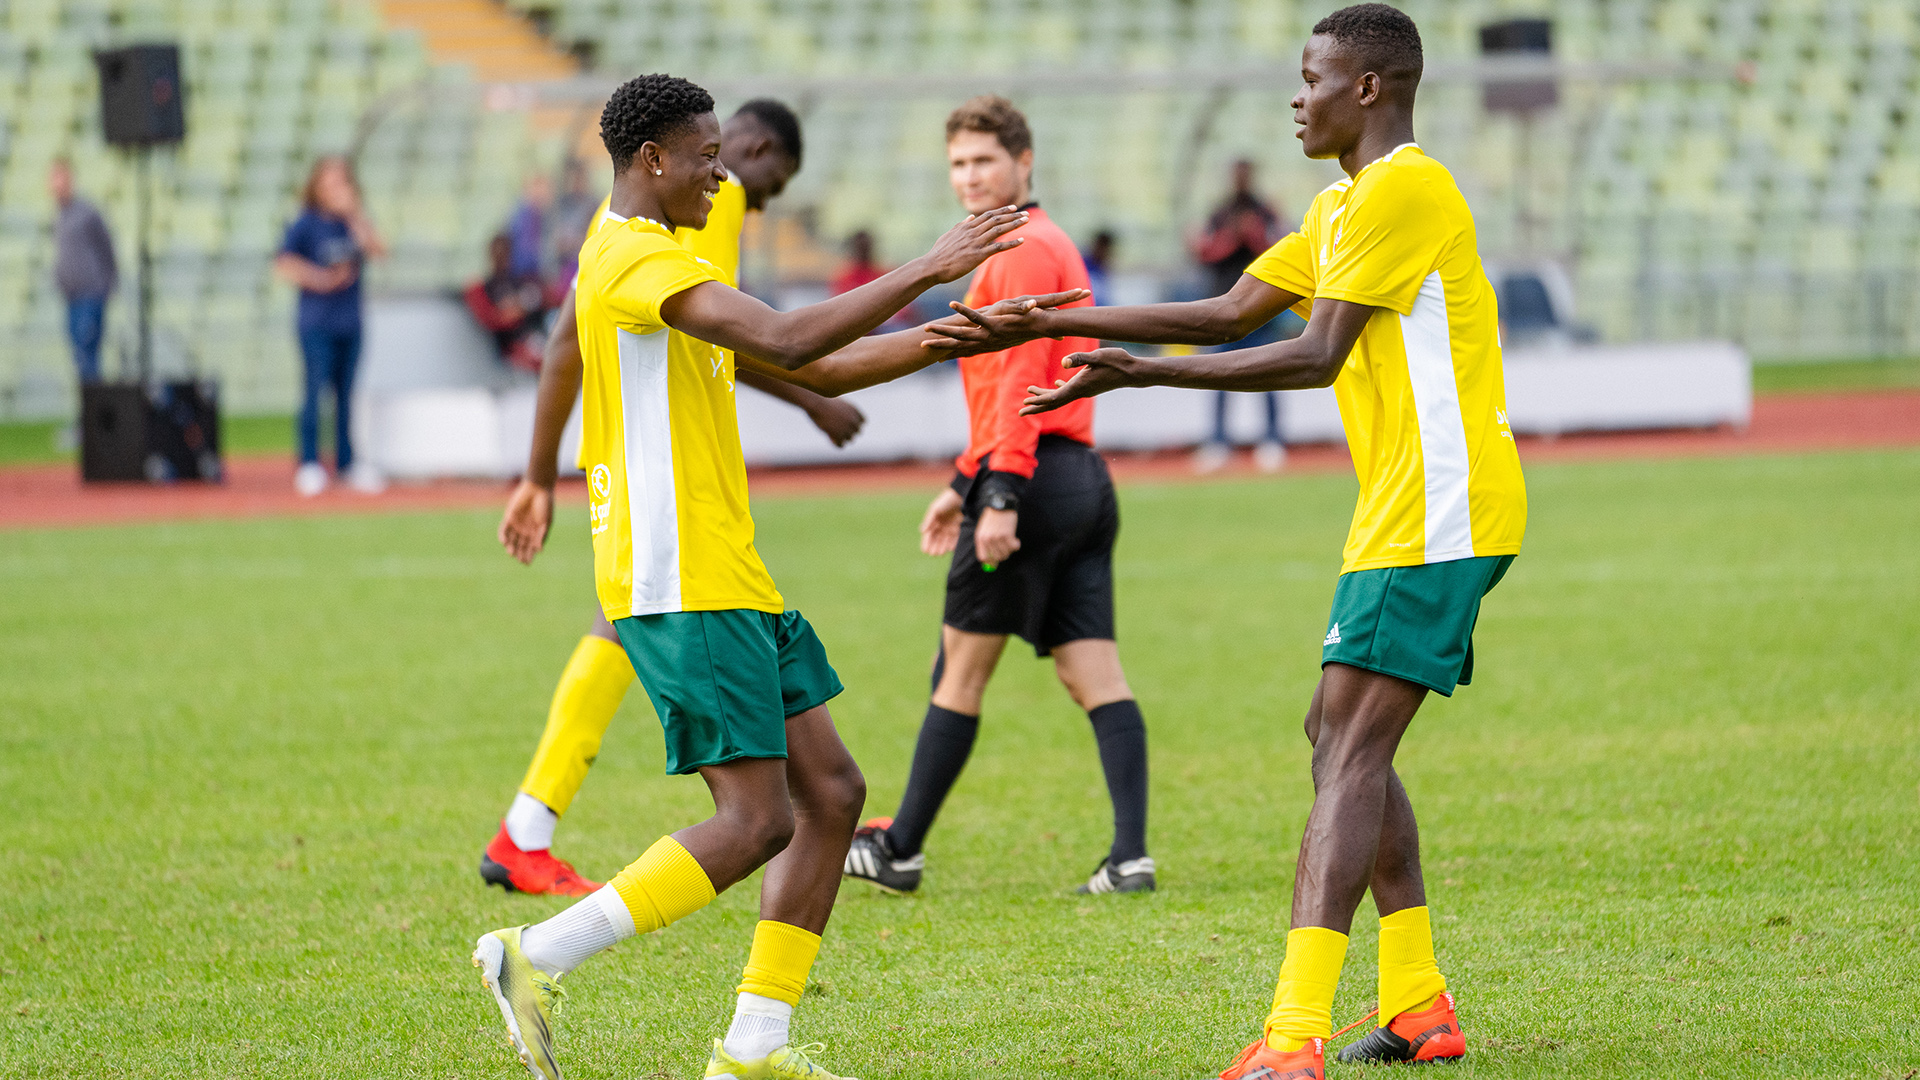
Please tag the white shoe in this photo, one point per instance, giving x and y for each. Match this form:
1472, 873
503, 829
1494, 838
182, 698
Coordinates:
366, 479
1270, 457
310, 479
1211, 457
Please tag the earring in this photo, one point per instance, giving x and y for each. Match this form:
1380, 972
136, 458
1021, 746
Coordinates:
656, 172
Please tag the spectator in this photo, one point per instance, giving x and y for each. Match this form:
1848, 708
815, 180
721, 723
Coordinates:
323, 254
528, 226
1099, 260
512, 307
862, 268
572, 213
83, 268
1238, 231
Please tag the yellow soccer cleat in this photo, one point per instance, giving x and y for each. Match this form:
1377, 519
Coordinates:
526, 996
786, 1063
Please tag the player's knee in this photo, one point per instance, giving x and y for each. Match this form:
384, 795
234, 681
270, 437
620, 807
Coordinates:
764, 830
846, 795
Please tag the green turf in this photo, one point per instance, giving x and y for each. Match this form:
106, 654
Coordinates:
1820, 375
37, 442
248, 767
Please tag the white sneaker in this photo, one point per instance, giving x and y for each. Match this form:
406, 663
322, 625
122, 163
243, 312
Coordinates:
310, 479
366, 479
1270, 457
1211, 457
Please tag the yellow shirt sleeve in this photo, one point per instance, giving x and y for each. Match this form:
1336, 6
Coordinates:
1288, 265
1389, 239
641, 269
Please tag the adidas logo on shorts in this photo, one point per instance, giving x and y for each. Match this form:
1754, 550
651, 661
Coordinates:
1333, 636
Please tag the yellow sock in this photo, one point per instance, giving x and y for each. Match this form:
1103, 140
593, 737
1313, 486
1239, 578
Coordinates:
590, 691
1409, 976
781, 958
1303, 1000
663, 886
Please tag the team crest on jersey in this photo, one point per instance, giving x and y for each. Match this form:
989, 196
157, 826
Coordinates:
600, 487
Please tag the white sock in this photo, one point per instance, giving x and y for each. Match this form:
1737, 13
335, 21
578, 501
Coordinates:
759, 1027
597, 922
530, 824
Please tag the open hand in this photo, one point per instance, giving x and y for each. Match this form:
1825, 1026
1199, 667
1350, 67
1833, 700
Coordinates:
523, 528
940, 529
1100, 371
838, 419
969, 243
1001, 326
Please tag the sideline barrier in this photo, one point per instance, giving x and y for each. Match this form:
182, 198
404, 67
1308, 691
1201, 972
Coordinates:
432, 401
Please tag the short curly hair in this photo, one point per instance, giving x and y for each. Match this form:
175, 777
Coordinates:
779, 120
1382, 38
648, 109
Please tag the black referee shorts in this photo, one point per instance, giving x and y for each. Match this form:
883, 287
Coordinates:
1059, 586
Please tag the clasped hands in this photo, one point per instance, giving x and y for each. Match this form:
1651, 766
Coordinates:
1020, 320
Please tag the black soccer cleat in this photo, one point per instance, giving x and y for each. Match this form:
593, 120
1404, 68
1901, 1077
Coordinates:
1428, 1037
1134, 875
871, 860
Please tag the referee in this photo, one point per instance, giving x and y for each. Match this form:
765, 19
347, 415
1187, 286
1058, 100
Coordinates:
1030, 519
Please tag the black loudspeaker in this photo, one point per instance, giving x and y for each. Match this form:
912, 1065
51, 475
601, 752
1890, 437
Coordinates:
1518, 37
140, 95
158, 433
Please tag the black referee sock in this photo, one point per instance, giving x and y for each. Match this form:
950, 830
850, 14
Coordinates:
1122, 734
946, 738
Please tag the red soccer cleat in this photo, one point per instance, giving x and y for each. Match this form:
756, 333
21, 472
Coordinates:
1263, 1062
535, 872
1420, 1038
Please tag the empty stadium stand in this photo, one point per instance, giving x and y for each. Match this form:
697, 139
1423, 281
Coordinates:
1779, 208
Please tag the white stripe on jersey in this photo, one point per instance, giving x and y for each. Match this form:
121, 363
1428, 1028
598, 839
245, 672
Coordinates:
652, 510
1443, 434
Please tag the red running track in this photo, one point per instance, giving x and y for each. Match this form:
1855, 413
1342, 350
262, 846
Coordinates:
41, 496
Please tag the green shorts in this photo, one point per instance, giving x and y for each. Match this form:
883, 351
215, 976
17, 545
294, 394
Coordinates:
1412, 622
725, 682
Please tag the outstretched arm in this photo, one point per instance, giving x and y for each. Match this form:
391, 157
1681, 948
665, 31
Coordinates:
885, 357
1248, 306
1312, 359
734, 320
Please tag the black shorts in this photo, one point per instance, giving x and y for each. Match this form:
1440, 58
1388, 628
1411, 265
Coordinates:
1059, 586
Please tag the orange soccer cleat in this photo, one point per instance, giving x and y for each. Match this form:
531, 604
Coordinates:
1432, 1035
1263, 1062
536, 872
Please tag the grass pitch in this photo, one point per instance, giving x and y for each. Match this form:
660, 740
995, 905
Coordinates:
247, 769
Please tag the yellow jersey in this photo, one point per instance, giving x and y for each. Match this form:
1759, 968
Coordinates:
719, 242
660, 441
1422, 396
718, 245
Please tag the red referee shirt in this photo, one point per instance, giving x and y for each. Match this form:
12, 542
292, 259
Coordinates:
996, 383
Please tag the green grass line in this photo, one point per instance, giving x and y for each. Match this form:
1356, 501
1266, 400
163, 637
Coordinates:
1670, 830
1775, 377
25, 442
37, 442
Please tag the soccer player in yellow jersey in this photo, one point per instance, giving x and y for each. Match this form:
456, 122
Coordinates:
740, 683
1403, 325
761, 147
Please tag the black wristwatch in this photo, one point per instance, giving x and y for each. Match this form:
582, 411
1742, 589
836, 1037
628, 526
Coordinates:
1003, 500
